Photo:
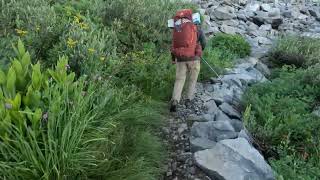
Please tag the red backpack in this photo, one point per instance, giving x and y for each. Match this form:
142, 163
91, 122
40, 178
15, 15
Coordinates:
184, 39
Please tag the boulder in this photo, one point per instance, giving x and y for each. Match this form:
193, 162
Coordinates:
230, 29
253, 7
287, 14
211, 107
246, 135
266, 7
237, 125
213, 130
265, 27
199, 144
233, 159
201, 118
274, 12
224, 13
230, 111
221, 116
231, 23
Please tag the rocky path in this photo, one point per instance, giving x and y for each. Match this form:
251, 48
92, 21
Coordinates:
208, 140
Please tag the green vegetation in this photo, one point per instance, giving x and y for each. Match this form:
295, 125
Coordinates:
281, 114
221, 51
83, 97
297, 51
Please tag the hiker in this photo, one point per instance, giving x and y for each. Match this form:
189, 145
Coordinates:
187, 45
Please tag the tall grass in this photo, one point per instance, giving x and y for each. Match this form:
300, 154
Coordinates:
103, 134
298, 51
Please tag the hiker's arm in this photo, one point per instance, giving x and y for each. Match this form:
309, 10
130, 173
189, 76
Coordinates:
202, 39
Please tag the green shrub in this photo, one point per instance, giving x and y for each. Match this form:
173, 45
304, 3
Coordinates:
218, 59
298, 51
281, 117
233, 44
87, 46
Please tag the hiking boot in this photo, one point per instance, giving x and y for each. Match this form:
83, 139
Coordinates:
173, 107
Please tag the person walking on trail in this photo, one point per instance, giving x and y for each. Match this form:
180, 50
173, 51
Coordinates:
188, 42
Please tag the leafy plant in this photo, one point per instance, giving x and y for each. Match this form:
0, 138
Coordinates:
233, 44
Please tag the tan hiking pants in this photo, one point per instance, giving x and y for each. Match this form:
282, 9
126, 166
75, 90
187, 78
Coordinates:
193, 67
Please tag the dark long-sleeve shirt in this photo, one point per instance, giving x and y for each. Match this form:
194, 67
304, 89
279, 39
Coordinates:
202, 38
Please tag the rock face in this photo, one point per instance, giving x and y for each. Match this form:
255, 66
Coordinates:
233, 159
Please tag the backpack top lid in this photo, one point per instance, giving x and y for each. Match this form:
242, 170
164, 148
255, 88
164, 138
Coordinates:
184, 13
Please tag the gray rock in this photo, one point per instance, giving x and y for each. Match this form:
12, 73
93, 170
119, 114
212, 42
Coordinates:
199, 144
253, 7
263, 40
224, 13
231, 22
236, 124
230, 29
221, 116
314, 13
263, 69
211, 30
287, 14
266, 7
213, 130
183, 127
274, 12
242, 16
246, 135
230, 111
316, 111
265, 27
211, 107
233, 159
201, 118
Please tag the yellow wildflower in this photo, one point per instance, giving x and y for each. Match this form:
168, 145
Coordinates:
91, 50
102, 58
76, 19
71, 43
84, 26
21, 32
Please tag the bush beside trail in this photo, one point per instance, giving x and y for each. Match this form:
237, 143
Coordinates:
281, 117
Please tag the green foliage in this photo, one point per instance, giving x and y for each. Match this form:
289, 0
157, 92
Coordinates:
144, 21
150, 72
220, 53
298, 51
62, 128
231, 44
34, 21
281, 117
